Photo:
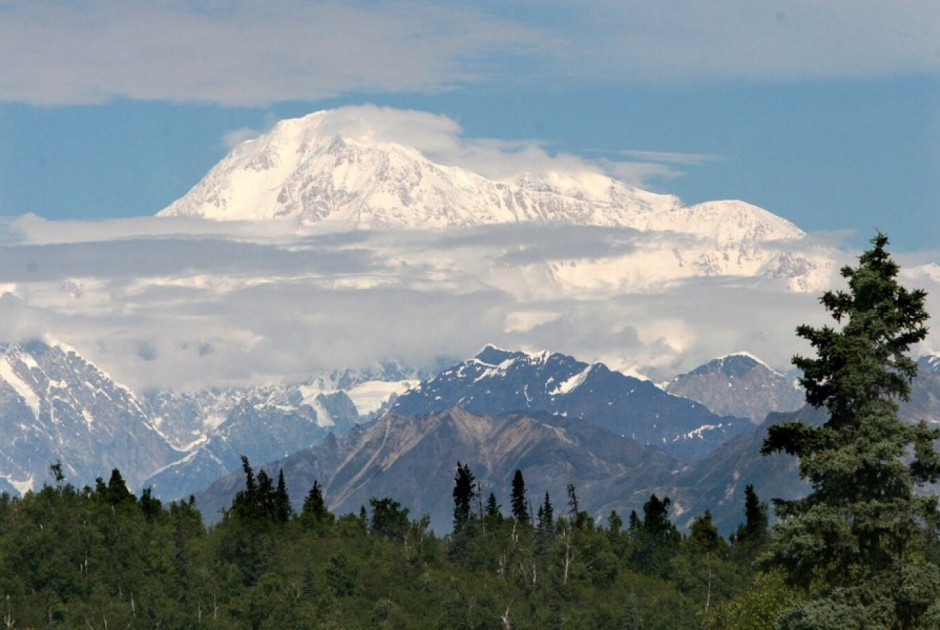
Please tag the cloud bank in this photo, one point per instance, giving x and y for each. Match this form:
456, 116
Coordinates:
189, 304
253, 53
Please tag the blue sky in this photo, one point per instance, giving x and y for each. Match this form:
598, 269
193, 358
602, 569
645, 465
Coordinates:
825, 113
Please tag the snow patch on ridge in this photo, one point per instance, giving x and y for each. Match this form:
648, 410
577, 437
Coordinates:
368, 397
19, 386
569, 385
22, 486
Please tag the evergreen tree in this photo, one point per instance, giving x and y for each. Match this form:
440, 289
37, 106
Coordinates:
703, 535
545, 526
492, 507
282, 506
245, 501
56, 471
314, 503
857, 530
464, 486
389, 518
264, 500
517, 499
117, 491
655, 539
151, 506
574, 507
754, 529
546, 514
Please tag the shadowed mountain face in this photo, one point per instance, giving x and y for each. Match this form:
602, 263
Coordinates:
496, 382
413, 460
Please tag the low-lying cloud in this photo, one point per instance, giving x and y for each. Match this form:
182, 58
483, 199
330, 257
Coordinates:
157, 308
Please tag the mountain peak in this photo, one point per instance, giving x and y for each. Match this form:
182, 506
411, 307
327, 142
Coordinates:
732, 365
345, 168
739, 384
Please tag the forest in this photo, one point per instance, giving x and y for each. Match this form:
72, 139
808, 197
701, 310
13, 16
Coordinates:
104, 558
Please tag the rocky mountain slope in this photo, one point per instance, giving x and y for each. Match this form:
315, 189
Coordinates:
262, 428
496, 382
412, 459
739, 385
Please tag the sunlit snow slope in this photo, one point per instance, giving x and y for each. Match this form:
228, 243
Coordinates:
309, 171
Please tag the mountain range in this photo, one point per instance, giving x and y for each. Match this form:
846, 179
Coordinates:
496, 382
411, 452
739, 385
55, 405
617, 438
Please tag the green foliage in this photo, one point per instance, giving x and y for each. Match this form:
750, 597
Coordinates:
753, 533
655, 538
389, 519
71, 558
756, 607
853, 541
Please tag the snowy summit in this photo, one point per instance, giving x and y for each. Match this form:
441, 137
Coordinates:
343, 170
313, 170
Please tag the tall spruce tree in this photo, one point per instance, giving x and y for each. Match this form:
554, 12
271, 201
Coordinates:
282, 506
464, 488
853, 539
314, 503
753, 531
518, 500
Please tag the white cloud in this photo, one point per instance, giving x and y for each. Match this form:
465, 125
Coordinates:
219, 305
242, 53
441, 139
252, 52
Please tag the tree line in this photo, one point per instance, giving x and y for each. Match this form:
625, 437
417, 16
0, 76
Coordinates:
104, 558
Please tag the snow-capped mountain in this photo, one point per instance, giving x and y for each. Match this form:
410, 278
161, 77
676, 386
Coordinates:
56, 406
496, 382
216, 427
264, 424
308, 171
739, 385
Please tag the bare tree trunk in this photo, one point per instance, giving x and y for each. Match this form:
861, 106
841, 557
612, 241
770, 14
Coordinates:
708, 595
505, 619
567, 558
